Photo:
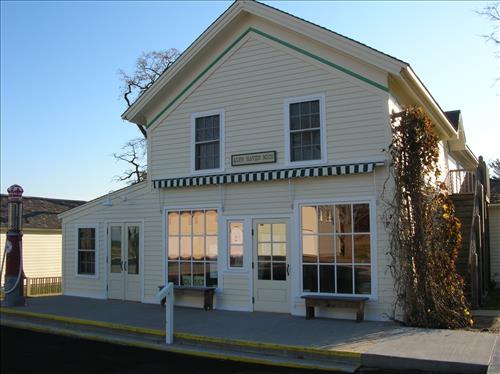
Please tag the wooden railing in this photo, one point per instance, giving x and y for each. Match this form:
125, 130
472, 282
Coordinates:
461, 181
45, 286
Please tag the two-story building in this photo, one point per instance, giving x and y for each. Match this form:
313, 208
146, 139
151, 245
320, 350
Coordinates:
267, 160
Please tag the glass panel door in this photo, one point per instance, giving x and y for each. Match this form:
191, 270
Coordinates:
271, 268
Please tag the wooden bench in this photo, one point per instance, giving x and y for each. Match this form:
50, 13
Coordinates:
335, 301
208, 294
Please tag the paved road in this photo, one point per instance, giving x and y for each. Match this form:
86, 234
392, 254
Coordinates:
24, 351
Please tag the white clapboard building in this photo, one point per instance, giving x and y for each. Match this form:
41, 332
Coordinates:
267, 160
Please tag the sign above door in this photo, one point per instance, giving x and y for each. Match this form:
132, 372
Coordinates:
253, 158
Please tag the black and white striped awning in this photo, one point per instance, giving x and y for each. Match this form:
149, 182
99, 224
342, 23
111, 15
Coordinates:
266, 175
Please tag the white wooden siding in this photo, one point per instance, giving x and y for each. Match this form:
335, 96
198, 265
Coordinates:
251, 86
495, 243
41, 254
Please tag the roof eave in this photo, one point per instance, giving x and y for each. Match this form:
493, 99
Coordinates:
435, 112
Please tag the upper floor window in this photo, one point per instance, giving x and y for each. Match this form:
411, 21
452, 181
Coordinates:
208, 147
305, 129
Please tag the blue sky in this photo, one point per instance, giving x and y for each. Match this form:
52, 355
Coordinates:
60, 104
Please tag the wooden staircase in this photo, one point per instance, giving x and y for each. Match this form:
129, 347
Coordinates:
464, 211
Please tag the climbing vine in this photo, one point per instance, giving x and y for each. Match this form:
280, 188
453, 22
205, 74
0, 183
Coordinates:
424, 233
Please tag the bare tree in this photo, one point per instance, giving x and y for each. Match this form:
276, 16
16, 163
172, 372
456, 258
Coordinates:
492, 13
148, 68
133, 153
495, 168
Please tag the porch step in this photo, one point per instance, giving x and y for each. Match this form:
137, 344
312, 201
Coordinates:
210, 347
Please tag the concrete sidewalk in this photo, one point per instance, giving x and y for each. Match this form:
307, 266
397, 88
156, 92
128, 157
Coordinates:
378, 344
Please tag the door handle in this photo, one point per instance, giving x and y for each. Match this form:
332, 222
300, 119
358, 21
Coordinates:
125, 265
121, 265
288, 269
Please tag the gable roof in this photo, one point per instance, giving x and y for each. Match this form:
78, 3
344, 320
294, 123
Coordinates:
397, 69
454, 117
39, 212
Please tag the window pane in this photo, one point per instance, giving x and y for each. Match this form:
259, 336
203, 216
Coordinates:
264, 251
325, 219
264, 270
279, 251
307, 153
295, 109
211, 248
173, 223
362, 249
316, 152
309, 248
236, 256
116, 249
185, 247
326, 248
264, 232
343, 218
315, 120
186, 279
305, 122
211, 218
326, 279
305, 108
362, 279
279, 232
316, 137
211, 274
361, 213
315, 106
279, 271
310, 278
198, 274
309, 220
186, 223
173, 247
236, 233
344, 279
198, 223
344, 248
198, 248
173, 272
294, 123
296, 153
133, 249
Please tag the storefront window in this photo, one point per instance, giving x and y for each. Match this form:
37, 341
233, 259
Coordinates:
336, 248
192, 248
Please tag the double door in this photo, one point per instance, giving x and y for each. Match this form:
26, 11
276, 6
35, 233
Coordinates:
124, 278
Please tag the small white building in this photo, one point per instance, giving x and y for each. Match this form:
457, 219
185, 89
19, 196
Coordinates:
267, 159
42, 237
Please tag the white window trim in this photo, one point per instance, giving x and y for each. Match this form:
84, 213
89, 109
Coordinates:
97, 252
373, 242
322, 125
222, 160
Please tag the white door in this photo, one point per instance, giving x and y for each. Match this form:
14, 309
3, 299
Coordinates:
271, 269
124, 281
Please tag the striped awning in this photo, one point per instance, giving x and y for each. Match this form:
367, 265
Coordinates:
266, 175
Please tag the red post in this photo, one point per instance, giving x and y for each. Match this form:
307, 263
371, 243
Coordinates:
14, 275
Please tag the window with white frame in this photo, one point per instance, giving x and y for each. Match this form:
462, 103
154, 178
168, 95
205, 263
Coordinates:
192, 248
305, 129
336, 248
207, 142
235, 244
86, 257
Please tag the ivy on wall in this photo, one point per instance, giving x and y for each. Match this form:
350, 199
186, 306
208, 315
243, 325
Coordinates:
424, 233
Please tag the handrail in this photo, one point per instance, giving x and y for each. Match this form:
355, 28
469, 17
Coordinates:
472, 258
461, 181
167, 292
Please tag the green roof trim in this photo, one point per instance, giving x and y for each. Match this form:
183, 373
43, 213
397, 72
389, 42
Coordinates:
277, 40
